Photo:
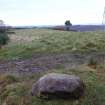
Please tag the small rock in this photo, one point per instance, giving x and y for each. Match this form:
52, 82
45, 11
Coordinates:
56, 85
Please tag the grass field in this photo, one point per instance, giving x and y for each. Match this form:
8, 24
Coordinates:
15, 90
27, 42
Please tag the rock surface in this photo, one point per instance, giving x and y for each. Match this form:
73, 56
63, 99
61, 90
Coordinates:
55, 85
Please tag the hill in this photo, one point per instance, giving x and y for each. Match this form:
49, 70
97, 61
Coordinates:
80, 28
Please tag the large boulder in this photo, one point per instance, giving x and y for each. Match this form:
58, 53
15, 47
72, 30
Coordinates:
55, 85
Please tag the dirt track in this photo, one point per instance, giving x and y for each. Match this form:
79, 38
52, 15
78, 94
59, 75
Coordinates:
42, 62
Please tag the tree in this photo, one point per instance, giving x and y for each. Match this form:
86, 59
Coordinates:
68, 24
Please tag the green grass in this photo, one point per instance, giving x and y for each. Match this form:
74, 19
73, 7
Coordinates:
25, 43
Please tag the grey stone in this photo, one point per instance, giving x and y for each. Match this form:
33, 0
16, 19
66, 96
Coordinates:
56, 85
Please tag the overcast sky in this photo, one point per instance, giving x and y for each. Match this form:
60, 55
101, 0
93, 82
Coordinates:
51, 12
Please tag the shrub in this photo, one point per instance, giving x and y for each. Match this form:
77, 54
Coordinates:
3, 37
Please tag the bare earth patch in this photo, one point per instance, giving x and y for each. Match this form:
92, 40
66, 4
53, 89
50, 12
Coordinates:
44, 62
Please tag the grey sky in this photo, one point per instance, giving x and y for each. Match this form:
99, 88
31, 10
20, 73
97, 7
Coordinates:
51, 12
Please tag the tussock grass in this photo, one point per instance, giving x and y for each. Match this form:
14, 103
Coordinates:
25, 43
18, 93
